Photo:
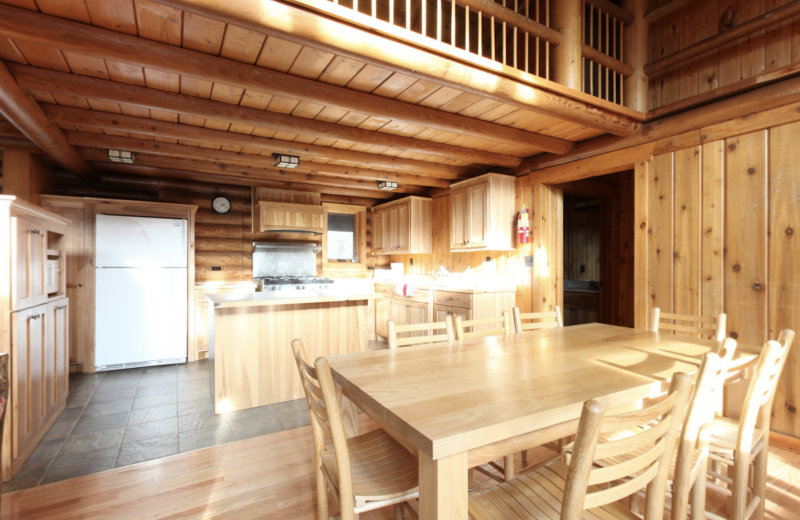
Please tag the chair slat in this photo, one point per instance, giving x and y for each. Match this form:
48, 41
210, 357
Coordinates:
686, 317
554, 315
627, 488
683, 328
420, 340
628, 466
395, 330
629, 444
462, 325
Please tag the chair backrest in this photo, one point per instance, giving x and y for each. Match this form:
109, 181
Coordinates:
549, 320
706, 327
757, 407
326, 417
693, 444
395, 330
648, 467
502, 325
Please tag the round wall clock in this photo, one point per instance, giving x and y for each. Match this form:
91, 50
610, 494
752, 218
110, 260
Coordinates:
221, 205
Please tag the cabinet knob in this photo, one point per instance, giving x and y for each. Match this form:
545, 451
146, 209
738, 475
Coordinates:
80, 285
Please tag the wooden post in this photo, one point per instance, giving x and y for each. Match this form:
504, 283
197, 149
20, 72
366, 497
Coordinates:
566, 18
635, 47
25, 175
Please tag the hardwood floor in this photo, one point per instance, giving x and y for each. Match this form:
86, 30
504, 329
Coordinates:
268, 477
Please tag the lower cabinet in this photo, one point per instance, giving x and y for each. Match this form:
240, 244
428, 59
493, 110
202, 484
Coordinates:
40, 377
441, 311
410, 313
198, 349
383, 313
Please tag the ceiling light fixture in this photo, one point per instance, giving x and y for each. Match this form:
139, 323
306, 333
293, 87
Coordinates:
120, 156
387, 185
286, 161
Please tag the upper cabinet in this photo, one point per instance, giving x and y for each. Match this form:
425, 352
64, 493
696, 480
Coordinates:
402, 227
297, 218
482, 214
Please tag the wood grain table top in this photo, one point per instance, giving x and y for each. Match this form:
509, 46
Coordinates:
448, 398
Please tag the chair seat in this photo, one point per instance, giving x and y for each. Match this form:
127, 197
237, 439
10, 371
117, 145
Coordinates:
724, 432
536, 495
382, 468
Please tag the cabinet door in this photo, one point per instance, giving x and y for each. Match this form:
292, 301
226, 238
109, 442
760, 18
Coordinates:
56, 372
376, 232
440, 312
417, 313
201, 327
383, 313
393, 244
386, 232
466, 314
458, 218
400, 315
402, 229
477, 225
75, 250
28, 396
29, 264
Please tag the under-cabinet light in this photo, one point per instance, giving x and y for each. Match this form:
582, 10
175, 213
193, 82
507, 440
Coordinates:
387, 185
120, 156
286, 161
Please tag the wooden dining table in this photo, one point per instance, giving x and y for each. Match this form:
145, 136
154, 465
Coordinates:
461, 404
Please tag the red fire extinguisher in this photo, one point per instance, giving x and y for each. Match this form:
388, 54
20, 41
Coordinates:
523, 226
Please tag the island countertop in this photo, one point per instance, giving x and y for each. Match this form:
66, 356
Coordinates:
260, 299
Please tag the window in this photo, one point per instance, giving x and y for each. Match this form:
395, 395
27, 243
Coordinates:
344, 245
342, 237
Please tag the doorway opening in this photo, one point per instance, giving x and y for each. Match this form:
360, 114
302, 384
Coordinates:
598, 227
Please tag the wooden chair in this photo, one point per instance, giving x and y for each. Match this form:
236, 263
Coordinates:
462, 325
361, 477
555, 314
569, 490
743, 445
395, 330
713, 328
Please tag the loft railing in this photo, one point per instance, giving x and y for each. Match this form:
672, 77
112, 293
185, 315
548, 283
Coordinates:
604, 67
510, 36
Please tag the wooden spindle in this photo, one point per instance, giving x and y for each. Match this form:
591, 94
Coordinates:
607, 52
391, 12
591, 39
516, 9
466, 28
438, 20
453, 23
527, 37
480, 34
492, 35
614, 40
374, 8
547, 44
424, 17
408, 15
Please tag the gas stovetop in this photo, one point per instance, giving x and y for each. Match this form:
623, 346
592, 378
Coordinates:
279, 283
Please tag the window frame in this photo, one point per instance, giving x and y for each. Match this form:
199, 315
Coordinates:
360, 213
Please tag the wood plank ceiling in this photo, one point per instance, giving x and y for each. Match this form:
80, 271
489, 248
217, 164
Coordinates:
193, 94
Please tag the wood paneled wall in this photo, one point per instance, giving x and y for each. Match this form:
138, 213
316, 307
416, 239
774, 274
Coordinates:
223, 241
762, 52
720, 237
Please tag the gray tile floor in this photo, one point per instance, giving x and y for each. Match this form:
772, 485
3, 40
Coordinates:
115, 419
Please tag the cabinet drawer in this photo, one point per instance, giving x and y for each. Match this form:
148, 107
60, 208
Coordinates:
421, 296
385, 290
453, 299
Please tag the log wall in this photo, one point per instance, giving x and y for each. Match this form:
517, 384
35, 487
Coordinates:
721, 221
763, 52
223, 241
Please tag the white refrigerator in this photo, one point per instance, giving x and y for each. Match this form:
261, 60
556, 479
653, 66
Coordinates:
141, 293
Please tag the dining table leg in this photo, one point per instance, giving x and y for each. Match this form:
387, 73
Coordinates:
443, 487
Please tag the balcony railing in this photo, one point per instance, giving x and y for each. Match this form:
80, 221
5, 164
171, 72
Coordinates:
603, 66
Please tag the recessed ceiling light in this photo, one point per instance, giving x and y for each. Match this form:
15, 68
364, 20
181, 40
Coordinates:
387, 185
120, 156
286, 161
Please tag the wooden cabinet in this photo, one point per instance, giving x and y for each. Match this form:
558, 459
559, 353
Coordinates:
303, 218
37, 333
482, 214
199, 347
410, 313
402, 227
383, 313
441, 311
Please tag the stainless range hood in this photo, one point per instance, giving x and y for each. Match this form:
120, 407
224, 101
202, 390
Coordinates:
277, 259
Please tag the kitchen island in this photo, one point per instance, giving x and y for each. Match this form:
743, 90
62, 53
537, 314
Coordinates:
250, 337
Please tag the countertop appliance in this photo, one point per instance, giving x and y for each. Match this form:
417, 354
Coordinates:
141, 291
287, 267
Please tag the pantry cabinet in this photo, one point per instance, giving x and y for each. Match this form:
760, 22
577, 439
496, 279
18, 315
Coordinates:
482, 214
402, 227
37, 339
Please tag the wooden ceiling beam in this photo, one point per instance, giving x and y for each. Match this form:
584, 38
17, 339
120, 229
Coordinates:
105, 142
22, 145
40, 29
114, 92
25, 114
296, 24
194, 175
368, 188
122, 123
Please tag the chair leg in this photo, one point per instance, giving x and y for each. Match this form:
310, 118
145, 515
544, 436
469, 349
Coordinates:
741, 472
322, 494
699, 494
509, 467
398, 512
470, 478
760, 482
524, 454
